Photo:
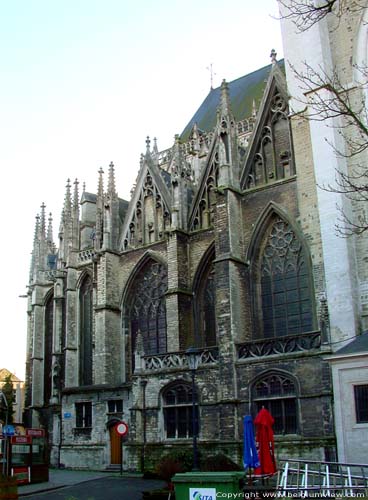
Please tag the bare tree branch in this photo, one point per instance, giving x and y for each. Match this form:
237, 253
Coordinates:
306, 13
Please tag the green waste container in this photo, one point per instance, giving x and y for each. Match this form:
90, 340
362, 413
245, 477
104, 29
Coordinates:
207, 485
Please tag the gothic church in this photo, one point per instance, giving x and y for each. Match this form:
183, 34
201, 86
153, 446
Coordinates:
224, 246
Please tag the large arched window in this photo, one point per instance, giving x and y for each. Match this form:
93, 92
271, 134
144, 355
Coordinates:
177, 402
47, 360
204, 305
284, 292
85, 340
147, 309
277, 392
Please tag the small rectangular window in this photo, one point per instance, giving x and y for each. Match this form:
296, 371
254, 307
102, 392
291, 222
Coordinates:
115, 406
361, 403
83, 414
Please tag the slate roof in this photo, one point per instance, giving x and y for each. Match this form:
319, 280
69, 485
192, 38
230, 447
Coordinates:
356, 346
242, 93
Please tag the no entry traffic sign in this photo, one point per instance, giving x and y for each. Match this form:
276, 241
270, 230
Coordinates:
121, 428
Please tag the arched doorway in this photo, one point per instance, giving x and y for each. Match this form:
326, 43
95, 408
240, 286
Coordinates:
116, 455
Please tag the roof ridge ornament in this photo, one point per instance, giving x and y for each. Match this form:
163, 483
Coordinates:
212, 73
273, 56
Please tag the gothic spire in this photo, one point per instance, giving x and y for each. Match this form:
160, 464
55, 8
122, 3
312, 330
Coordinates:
50, 239
42, 227
155, 148
100, 188
225, 106
76, 200
67, 202
148, 148
37, 229
111, 191
36, 249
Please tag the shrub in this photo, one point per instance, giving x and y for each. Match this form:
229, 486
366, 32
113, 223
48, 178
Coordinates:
219, 462
170, 464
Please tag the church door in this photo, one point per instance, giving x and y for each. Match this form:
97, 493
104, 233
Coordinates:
115, 447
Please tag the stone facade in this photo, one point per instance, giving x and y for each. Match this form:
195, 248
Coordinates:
225, 246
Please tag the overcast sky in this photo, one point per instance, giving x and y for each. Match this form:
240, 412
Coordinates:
82, 83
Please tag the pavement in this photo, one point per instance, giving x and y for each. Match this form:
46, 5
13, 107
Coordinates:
59, 478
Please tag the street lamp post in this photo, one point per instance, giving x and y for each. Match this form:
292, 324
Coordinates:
5, 437
192, 358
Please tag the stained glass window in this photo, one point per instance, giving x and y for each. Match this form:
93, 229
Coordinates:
285, 285
147, 308
205, 317
49, 320
85, 344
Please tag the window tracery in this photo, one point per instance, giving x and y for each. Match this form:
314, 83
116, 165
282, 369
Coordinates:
205, 307
285, 295
49, 320
86, 339
278, 394
177, 409
272, 160
204, 215
150, 219
147, 310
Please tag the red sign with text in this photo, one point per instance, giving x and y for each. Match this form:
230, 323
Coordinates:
35, 432
21, 440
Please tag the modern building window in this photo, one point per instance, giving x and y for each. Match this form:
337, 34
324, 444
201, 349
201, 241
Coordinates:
115, 406
361, 403
177, 407
85, 341
285, 288
277, 393
83, 415
147, 309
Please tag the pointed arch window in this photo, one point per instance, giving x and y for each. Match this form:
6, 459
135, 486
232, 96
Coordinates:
147, 310
86, 340
177, 407
285, 301
277, 393
47, 360
205, 317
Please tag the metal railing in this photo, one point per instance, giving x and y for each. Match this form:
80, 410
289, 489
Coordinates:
308, 478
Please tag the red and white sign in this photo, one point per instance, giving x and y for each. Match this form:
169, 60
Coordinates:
121, 428
35, 432
21, 474
21, 440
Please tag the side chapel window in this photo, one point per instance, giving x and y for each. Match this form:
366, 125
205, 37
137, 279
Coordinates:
277, 393
285, 289
177, 407
86, 341
147, 311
